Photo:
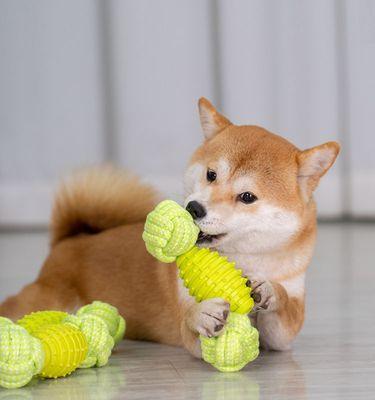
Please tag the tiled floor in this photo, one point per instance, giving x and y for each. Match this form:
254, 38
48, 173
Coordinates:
333, 358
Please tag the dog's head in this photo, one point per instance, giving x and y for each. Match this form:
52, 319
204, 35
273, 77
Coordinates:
249, 190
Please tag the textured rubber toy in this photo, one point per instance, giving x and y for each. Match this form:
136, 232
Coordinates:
170, 235
109, 314
21, 355
99, 340
235, 347
169, 231
54, 343
207, 275
65, 348
35, 320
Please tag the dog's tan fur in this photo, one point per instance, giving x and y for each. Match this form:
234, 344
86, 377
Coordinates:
97, 251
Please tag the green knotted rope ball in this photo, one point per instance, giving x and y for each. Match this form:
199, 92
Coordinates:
5, 321
169, 231
236, 346
99, 340
110, 315
21, 355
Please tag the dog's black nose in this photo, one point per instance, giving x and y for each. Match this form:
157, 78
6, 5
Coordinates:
195, 209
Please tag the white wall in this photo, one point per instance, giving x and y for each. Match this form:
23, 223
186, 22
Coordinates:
360, 104
162, 64
85, 81
50, 100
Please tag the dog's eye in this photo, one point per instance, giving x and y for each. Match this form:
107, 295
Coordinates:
211, 175
247, 197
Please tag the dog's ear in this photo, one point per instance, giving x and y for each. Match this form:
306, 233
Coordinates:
313, 164
212, 122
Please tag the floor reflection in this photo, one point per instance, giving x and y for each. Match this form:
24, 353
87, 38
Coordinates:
84, 384
272, 374
284, 375
236, 385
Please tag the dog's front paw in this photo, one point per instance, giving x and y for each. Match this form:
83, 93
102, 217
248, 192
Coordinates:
264, 295
209, 317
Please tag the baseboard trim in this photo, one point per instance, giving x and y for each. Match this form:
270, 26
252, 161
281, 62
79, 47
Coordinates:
25, 204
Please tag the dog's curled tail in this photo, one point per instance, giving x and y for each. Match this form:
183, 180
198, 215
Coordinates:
97, 199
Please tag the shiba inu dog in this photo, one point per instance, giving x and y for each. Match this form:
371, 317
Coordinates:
251, 194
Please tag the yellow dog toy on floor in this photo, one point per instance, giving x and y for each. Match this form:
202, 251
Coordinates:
53, 344
170, 235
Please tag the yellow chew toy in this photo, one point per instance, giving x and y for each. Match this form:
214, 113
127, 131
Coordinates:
65, 347
53, 344
170, 235
207, 275
34, 321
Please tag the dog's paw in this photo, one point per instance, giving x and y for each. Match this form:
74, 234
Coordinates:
264, 295
210, 316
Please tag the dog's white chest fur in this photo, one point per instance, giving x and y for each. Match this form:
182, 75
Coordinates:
287, 269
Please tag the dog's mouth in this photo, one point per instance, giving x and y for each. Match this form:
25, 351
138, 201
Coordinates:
206, 238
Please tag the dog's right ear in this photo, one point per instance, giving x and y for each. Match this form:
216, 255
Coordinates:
212, 122
313, 164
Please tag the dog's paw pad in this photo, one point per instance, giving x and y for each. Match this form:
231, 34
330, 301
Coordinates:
211, 317
263, 294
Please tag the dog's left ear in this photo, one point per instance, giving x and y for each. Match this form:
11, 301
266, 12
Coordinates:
313, 164
212, 122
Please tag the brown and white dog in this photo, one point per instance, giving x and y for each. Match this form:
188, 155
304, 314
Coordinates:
251, 194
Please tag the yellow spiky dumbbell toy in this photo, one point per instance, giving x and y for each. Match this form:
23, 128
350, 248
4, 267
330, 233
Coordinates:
53, 344
170, 235
53, 350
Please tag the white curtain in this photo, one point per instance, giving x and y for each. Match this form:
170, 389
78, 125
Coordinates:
82, 82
